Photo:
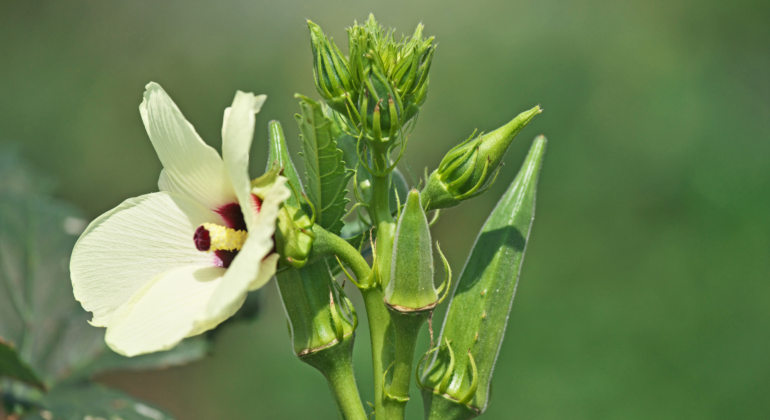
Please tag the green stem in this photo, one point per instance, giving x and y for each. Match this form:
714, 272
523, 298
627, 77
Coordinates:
327, 244
321, 336
407, 329
336, 365
379, 320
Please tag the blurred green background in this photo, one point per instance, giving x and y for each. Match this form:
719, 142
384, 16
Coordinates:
646, 289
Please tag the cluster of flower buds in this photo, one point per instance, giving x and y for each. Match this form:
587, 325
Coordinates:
471, 167
381, 85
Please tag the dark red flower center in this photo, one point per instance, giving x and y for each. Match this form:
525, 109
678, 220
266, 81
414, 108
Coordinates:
202, 239
233, 218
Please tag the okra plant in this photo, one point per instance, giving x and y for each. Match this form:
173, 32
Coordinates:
174, 264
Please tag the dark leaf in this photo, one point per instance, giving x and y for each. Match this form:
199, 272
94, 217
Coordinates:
12, 366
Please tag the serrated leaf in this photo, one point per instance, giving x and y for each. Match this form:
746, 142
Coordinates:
326, 177
38, 313
11, 366
92, 401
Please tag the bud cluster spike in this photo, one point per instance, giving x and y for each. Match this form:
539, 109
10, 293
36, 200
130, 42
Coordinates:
379, 72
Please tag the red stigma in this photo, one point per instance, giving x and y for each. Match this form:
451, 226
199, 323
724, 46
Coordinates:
202, 239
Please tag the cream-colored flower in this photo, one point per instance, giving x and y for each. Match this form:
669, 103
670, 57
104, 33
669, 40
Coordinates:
173, 264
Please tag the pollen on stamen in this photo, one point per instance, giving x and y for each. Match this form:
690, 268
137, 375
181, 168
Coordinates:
213, 237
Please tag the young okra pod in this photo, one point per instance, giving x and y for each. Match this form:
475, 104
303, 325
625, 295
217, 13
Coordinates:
410, 297
456, 382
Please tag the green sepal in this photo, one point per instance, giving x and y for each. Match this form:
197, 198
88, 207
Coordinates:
478, 312
293, 236
471, 167
326, 177
279, 152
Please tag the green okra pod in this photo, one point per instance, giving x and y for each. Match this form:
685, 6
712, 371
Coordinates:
410, 297
456, 381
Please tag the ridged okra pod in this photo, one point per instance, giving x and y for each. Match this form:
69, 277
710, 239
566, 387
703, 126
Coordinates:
410, 297
456, 381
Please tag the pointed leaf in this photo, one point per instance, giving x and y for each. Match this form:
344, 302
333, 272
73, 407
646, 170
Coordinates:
11, 366
189, 350
93, 401
38, 313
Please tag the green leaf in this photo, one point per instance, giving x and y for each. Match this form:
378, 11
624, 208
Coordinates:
326, 177
189, 350
12, 366
92, 401
38, 313
478, 313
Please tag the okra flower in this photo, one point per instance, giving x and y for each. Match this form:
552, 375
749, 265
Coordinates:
173, 264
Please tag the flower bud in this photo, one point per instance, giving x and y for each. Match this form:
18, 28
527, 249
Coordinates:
410, 288
471, 167
384, 82
331, 71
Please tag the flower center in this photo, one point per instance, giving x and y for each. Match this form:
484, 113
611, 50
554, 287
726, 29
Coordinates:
212, 237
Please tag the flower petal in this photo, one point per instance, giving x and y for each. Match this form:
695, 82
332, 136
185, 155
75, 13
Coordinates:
237, 135
244, 272
191, 166
165, 311
267, 270
128, 246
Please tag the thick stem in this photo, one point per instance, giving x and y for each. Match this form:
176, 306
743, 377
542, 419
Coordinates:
380, 328
406, 326
321, 335
343, 386
379, 320
336, 365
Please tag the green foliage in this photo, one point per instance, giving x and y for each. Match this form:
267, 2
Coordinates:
11, 366
93, 401
188, 351
38, 314
325, 173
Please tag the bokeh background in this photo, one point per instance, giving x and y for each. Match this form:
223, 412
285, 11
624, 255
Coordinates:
646, 289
